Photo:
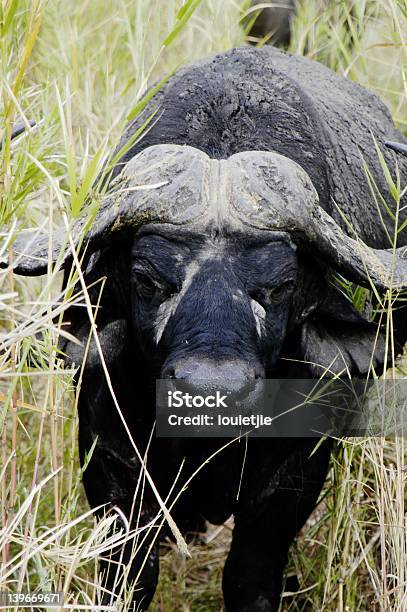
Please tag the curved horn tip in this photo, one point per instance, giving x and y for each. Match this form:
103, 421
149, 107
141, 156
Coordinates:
25, 268
398, 147
19, 128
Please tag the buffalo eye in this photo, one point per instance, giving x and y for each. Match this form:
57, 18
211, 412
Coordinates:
267, 296
146, 286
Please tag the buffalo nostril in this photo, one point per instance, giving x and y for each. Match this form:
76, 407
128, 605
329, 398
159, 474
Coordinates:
177, 372
169, 373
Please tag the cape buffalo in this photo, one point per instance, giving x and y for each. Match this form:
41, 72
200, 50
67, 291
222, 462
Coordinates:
221, 238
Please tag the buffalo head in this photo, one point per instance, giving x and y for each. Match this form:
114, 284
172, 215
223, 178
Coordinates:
228, 258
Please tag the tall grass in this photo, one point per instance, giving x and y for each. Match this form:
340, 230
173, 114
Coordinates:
79, 69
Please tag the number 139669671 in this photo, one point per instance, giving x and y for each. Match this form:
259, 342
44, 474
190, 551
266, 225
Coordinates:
37, 599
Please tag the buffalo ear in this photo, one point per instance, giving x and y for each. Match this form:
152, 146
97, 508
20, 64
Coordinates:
339, 339
107, 277
112, 338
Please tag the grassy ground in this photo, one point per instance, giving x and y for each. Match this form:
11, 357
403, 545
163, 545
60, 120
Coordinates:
78, 69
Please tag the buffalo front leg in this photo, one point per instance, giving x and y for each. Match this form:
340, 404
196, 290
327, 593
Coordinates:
265, 528
129, 571
112, 476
